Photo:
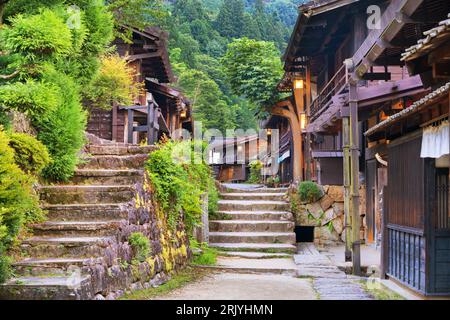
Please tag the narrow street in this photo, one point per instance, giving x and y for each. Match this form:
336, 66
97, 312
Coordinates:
308, 275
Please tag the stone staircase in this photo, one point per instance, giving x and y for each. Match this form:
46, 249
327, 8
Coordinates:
84, 221
255, 222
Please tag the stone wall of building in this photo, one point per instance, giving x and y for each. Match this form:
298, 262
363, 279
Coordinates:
326, 215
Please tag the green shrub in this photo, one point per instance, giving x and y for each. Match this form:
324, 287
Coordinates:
255, 171
62, 131
29, 153
273, 181
179, 182
203, 254
19, 204
309, 191
213, 198
141, 246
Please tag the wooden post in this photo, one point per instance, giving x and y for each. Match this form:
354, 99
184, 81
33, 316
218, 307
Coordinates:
130, 125
354, 155
114, 123
347, 168
384, 236
150, 120
299, 108
308, 157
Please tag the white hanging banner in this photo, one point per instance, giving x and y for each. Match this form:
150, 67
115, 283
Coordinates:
435, 141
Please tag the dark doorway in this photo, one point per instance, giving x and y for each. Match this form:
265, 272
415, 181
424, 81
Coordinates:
304, 234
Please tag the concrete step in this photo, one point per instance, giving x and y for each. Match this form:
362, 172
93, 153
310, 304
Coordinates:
253, 205
86, 212
255, 266
253, 196
251, 226
39, 267
252, 237
74, 194
255, 247
255, 215
107, 177
48, 288
115, 162
262, 189
119, 149
66, 247
77, 228
254, 255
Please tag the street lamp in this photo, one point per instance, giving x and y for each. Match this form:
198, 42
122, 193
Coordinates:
303, 121
298, 84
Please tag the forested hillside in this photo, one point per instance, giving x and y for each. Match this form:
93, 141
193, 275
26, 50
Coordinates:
200, 32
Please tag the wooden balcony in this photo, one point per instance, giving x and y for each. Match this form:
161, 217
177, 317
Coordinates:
335, 86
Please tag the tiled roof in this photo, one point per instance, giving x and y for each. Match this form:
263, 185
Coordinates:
434, 35
414, 107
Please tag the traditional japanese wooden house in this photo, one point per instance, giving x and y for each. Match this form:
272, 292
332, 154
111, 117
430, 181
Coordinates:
231, 157
416, 142
339, 61
160, 109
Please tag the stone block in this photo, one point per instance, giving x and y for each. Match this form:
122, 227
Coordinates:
326, 202
336, 193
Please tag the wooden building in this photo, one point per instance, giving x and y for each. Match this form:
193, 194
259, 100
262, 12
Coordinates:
416, 143
230, 158
159, 110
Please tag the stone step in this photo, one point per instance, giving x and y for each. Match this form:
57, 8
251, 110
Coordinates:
256, 215
254, 190
115, 162
73, 194
252, 237
251, 226
253, 205
48, 288
255, 247
252, 196
254, 255
76, 228
39, 267
107, 177
86, 212
66, 247
255, 266
119, 149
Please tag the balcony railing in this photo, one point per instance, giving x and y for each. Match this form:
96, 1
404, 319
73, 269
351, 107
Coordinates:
335, 86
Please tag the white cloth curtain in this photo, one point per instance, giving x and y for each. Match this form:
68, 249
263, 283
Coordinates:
435, 141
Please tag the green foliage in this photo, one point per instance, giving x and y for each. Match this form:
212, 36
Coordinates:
19, 204
273, 181
38, 36
179, 182
62, 131
113, 84
209, 104
141, 246
230, 20
255, 172
309, 192
34, 98
29, 153
5, 267
136, 13
203, 254
253, 69
213, 197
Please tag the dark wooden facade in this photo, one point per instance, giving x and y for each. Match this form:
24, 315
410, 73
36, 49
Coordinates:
416, 197
159, 110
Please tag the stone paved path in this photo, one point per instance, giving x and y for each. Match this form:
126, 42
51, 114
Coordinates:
329, 281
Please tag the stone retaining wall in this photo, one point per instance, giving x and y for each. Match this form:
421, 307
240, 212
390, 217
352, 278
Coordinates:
325, 215
169, 250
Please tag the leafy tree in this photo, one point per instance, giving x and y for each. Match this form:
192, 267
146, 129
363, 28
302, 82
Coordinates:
208, 102
253, 69
230, 20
